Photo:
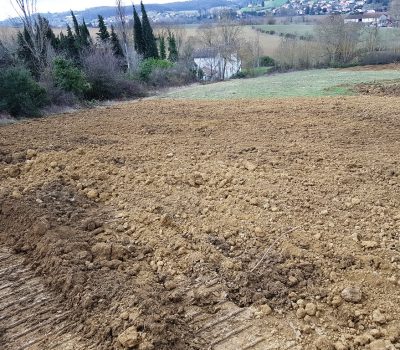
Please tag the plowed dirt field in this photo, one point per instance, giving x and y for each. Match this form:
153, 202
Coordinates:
262, 224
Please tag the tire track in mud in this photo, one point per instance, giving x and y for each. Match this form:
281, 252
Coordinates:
31, 318
229, 327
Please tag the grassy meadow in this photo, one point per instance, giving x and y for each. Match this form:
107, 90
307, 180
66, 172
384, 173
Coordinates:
388, 37
318, 82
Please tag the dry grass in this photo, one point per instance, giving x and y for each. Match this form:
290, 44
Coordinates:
7, 33
268, 43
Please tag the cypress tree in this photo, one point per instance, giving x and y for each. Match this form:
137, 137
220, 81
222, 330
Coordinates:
163, 54
41, 26
116, 46
63, 41
103, 33
25, 53
76, 25
32, 46
172, 50
53, 40
71, 45
140, 46
86, 40
148, 36
5, 57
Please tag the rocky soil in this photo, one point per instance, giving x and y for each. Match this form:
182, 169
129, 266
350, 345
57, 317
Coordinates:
268, 224
388, 88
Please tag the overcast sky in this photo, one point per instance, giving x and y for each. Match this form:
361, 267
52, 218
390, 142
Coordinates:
6, 10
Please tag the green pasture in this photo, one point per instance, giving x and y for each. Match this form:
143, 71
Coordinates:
318, 82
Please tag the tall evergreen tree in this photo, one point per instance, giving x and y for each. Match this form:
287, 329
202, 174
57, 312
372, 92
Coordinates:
33, 43
86, 40
148, 36
103, 33
140, 46
172, 50
70, 44
5, 57
39, 36
63, 41
53, 39
163, 54
76, 25
116, 46
25, 52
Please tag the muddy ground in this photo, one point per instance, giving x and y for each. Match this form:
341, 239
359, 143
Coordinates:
382, 88
268, 224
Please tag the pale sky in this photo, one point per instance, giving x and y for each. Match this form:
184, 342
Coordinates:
6, 9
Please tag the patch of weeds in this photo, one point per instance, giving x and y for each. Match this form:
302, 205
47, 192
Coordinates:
343, 90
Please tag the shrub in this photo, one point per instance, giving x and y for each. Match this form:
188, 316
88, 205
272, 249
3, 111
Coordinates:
290, 36
152, 64
57, 96
105, 74
20, 95
240, 75
175, 75
298, 54
69, 77
379, 57
266, 61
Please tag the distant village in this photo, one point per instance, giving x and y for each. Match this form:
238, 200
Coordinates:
363, 11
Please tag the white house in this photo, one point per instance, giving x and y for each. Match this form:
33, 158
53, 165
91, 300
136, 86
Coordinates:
377, 19
213, 66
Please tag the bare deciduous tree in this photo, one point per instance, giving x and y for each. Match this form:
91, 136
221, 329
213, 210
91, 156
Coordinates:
250, 52
35, 29
208, 36
338, 39
122, 26
299, 54
225, 38
372, 38
229, 35
25, 10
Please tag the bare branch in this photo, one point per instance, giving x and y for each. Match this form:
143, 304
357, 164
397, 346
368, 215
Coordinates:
36, 29
123, 28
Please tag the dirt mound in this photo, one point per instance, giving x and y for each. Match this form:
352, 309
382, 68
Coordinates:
236, 225
374, 67
379, 89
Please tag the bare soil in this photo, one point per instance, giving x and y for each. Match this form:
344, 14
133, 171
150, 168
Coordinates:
381, 88
374, 67
270, 224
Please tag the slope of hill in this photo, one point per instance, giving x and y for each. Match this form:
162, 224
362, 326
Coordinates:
91, 14
318, 82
